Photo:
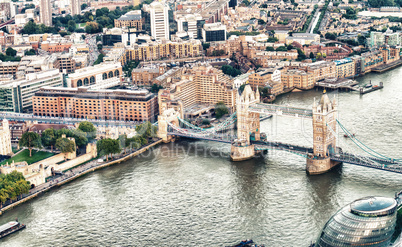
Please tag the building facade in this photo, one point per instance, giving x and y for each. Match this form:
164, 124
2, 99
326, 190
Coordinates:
214, 32
131, 19
46, 12
123, 105
5, 138
16, 96
99, 76
159, 20
75, 7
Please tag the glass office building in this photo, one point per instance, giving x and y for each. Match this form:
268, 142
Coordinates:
369, 221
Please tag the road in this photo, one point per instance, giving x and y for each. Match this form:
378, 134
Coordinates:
63, 120
93, 48
315, 21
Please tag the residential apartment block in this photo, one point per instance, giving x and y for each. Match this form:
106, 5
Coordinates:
131, 19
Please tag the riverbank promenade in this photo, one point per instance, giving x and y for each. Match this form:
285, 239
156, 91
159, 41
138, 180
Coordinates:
75, 173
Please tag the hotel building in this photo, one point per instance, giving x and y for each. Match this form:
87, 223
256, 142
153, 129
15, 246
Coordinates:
125, 105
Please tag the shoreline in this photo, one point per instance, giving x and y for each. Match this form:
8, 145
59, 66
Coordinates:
72, 175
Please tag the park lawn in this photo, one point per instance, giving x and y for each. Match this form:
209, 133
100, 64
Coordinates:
24, 156
81, 25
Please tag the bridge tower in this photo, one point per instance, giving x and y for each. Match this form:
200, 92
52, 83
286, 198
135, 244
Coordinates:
324, 119
247, 123
167, 116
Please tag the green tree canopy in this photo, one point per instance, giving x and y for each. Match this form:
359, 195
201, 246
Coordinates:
11, 52
49, 138
30, 140
89, 129
221, 109
229, 70
65, 145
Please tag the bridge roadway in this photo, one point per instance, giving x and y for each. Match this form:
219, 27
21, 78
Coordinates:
64, 120
380, 164
281, 110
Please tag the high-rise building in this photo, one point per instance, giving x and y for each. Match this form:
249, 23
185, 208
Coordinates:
46, 12
214, 32
5, 138
159, 20
75, 7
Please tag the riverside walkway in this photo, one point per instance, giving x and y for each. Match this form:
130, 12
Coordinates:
73, 174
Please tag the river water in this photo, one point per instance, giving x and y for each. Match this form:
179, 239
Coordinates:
190, 194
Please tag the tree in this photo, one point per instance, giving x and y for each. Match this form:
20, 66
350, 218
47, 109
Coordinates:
108, 146
30, 140
49, 138
30, 52
331, 36
11, 52
155, 88
281, 48
205, 46
99, 59
71, 25
84, 6
269, 48
65, 145
229, 70
272, 40
88, 128
221, 109
312, 55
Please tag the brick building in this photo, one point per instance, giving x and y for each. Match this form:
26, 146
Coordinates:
125, 105
130, 19
144, 76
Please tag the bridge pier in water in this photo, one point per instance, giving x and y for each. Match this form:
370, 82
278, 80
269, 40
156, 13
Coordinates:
247, 123
324, 138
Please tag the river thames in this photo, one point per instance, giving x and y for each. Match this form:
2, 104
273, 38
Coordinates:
190, 194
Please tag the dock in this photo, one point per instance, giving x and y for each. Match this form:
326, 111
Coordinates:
371, 89
385, 67
338, 84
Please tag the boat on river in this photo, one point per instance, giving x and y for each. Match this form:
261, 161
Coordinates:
10, 228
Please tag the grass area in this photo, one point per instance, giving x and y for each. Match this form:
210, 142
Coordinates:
15, 150
24, 156
80, 25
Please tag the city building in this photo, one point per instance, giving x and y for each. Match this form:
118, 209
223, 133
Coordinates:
75, 7
46, 12
303, 38
214, 32
265, 78
99, 76
187, 24
144, 76
368, 221
16, 96
297, 78
378, 39
345, 68
131, 19
321, 70
155, 50
5, 138
124, 105
65, 64
198, 91
159, 20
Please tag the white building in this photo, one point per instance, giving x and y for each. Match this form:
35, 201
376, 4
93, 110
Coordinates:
159, 20
46, 12
97, 72
5, 138
75, 7
240, 80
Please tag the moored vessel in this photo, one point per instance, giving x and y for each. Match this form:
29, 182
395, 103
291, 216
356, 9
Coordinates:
10, 228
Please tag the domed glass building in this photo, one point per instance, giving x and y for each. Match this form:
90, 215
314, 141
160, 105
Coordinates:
368, 221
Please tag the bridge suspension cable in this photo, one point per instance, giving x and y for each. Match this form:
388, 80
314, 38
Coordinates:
357, 141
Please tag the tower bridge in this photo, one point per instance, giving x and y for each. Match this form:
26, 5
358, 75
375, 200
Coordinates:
248, 141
